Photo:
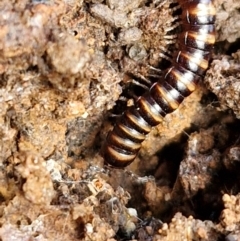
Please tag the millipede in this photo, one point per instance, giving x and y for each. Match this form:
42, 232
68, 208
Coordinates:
188, 67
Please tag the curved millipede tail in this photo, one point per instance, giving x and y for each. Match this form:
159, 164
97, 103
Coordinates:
180, 80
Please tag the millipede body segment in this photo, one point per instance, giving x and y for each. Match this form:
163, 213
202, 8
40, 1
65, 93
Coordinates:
180, 80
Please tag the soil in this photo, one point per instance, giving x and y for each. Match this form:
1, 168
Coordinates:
67, 69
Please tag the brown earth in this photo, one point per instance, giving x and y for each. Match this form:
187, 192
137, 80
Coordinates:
63, 66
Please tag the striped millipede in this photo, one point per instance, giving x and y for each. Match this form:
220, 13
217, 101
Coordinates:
180, 80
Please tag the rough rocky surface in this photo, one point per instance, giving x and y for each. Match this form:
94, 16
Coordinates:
65, 69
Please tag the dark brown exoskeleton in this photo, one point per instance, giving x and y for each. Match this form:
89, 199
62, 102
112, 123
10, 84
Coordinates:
180, 80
